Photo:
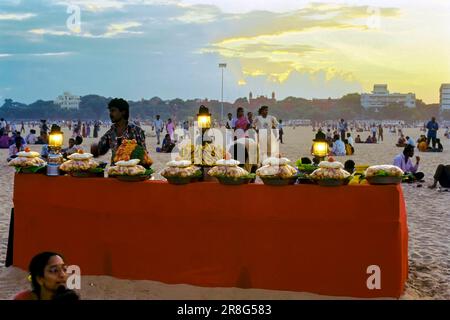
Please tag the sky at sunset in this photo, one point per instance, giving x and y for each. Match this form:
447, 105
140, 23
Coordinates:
171, 48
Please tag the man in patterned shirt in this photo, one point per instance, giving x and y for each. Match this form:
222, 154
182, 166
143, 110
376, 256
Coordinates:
119, 112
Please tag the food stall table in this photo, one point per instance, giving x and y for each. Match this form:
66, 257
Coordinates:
324, 240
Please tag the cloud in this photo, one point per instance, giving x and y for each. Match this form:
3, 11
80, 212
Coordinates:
41, 54
122, 28
291, 42
16, 16
52, 54
199, 14
104, 5
50, 32
112, 31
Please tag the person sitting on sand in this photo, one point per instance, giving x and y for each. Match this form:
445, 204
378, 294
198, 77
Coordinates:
369, 139
410, 141
43, 138
350, 139
403, 161
349, 150
71, 149
442, 175
15, 148
167, 145
31, 137
338, 148
422, 143
358, 139
401, 141
4, 140
48, 277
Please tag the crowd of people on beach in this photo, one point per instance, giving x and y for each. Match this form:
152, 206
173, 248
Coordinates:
338, 134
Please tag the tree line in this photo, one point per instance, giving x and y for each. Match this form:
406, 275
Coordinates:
94, 107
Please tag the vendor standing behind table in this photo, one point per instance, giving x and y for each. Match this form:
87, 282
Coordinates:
119, 113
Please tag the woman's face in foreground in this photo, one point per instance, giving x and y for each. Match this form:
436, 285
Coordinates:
55, 274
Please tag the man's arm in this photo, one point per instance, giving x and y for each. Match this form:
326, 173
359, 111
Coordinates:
102, 147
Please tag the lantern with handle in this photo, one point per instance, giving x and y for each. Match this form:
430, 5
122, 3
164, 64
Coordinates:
55, 142
320, 149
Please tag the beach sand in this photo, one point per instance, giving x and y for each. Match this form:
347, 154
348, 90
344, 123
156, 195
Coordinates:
428, 222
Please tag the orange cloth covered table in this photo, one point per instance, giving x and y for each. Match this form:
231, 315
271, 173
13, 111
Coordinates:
298, 238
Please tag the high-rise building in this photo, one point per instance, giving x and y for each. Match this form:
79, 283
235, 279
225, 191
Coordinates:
445, 96
68, 101
381, 97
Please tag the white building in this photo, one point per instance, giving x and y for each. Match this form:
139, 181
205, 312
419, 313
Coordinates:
68, 101
445, 96
380, 97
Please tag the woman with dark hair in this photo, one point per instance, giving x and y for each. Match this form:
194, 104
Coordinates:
241, 120
48, 276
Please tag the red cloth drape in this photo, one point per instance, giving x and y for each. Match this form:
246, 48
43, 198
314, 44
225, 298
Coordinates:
298, 238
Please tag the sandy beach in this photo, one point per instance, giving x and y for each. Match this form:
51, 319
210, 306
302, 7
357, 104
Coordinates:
428, 222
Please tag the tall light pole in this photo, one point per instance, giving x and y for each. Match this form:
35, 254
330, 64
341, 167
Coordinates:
222, 66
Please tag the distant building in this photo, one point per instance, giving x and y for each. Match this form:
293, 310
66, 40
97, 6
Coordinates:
255, 103
445, 96
68, 101
381, 97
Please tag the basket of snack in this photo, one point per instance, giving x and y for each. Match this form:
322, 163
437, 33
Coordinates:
28, 162
384, 174
277, 172
130, 149
129, 171
181, 172
228, 172
82, 165
331, 173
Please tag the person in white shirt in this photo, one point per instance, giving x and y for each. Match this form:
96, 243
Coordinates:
158, 125
350, 140
338, 147
264, 121
31, 137
229, 133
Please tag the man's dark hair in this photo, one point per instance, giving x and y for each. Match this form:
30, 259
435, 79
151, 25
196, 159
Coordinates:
349, 166
78, 140
306, 160
120, 104
408, 148
33, 131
